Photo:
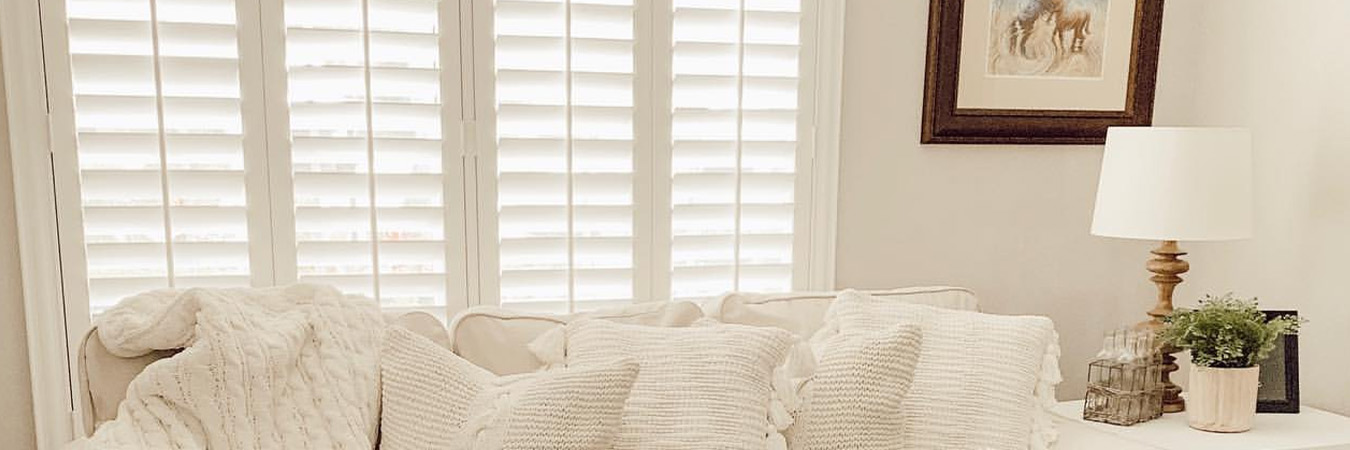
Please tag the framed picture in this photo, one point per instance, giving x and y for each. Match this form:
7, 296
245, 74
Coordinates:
1039, 71
1279, 374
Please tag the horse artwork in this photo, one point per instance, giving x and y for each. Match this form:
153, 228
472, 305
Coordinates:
1047, 38
1038, 71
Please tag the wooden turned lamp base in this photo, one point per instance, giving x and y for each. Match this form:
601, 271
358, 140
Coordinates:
1167, 267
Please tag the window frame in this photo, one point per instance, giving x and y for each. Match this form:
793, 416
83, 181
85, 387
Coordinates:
50, 355
32, 34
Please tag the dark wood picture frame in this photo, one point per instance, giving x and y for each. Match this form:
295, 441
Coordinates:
1287, 401
944, 123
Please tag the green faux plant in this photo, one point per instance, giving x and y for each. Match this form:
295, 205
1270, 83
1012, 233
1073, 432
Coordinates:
1225, 332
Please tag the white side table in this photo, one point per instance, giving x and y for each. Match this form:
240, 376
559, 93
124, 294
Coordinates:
1308, 430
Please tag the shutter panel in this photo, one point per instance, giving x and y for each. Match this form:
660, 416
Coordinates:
564, 89
159, 143
365, 160
734, 111
367, 149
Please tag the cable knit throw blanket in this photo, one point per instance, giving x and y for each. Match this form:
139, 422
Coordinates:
272, 368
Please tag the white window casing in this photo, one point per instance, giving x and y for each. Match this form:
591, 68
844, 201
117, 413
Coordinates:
30, 143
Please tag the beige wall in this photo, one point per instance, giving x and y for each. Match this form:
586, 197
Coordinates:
1284, 72
1012, 221
16, 398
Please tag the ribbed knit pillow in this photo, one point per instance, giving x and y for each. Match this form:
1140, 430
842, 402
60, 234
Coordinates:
982, 381
854, 400
435, 400
705, 387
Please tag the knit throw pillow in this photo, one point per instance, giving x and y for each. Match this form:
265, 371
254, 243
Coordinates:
699, 388
982, 381
854, 400
435, 400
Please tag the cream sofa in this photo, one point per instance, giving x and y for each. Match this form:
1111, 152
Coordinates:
497, 340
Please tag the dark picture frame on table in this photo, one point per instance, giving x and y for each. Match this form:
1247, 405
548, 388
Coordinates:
1039, 71
1279, 373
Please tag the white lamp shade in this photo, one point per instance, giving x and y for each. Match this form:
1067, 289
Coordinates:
1179, 184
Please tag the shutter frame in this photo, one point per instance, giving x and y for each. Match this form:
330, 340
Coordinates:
734, 161
395, 106
185, 69
567, 154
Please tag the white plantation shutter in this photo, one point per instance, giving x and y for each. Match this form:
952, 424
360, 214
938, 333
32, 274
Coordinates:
564, 74
367, 148
734, 145
156, 117
554, 155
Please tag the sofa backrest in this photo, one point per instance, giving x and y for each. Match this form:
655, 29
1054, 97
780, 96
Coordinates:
102, 392
498, 339
493, 338
803, 313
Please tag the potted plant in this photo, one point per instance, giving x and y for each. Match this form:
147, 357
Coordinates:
1226, 337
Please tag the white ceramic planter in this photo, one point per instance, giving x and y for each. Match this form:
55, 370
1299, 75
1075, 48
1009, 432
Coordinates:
1222, 400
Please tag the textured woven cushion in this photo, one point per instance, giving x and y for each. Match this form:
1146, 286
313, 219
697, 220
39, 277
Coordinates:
982, 381
435, 400
803, 313
707, 387
854, 400
497, 339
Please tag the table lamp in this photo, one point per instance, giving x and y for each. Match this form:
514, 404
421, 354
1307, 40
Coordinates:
1169, 185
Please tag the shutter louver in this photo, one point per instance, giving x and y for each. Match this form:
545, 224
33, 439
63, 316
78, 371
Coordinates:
364, 81
159, 144
564, 80
734, 145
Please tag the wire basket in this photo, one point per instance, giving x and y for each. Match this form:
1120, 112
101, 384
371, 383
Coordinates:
1125, 381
